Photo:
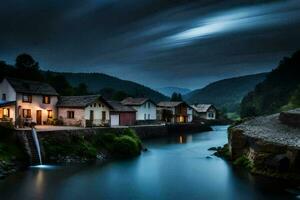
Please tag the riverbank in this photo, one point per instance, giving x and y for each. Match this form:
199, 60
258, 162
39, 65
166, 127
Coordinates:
84, 145
268, 145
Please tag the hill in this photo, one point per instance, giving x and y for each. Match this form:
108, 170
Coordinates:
279, 91
104, 84
168, 91
225, 94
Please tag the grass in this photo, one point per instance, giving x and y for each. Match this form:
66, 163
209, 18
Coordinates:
244, 162
124, 145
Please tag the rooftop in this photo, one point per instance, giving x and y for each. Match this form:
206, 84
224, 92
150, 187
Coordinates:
134, 101
118, 107
169, 103
31, 87
80, 101
201, 107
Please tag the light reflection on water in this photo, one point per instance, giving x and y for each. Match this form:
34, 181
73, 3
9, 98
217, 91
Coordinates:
174, 168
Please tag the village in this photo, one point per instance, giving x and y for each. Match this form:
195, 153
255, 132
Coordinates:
26, 103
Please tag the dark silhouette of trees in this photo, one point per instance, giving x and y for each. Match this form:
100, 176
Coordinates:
28, 68
176, 97
277, 92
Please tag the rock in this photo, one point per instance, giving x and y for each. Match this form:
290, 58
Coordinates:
291, 118
212, 149
208, 157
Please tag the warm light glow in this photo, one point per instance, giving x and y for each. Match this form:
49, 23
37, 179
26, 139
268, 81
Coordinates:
50, 113
181, 119
180, 139
5, 112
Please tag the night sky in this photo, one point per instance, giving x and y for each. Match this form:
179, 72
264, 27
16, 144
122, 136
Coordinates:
157, 43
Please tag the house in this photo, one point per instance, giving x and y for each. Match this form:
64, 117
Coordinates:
23, 102
205, 111
174, 112
146, 108
121, 115
89, 110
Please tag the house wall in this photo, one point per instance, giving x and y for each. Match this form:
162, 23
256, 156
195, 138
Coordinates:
213, 111
98, 107
78, 116
37, 104
7, 89
190, 114
12, 114
147, 108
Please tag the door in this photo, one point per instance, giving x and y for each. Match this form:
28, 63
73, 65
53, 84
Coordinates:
39, 117
114, 120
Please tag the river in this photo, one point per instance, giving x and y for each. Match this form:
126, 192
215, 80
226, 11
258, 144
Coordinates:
178, 167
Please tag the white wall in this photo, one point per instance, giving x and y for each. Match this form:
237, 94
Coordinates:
7, 89
37, 104
190, 114
97, 112
78, 116
147, 108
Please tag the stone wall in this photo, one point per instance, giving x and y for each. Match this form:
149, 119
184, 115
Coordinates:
267, 158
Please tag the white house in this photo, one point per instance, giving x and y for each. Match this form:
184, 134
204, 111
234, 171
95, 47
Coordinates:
205, 111
89, 110
146, 108
24, 101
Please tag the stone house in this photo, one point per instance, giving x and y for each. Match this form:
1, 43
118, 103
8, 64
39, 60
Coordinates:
88, 110
145, 108
205, 111
121, 115
174, 112
23, 102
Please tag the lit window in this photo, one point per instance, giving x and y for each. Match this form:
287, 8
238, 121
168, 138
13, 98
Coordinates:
50, 114
6, 112
46, 99
26, 113
27, 98
70, 114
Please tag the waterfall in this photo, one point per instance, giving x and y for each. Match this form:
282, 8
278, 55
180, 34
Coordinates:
37, 144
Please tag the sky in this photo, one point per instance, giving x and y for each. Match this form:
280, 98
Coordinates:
157, 43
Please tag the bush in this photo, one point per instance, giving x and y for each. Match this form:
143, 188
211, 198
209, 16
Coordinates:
243, 161
131, 133
126, 146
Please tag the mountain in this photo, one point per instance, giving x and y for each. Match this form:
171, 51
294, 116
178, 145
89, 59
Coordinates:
168, 91
102, 83
225, 94
279, 91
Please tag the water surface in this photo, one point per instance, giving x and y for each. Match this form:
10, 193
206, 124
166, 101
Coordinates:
180, 167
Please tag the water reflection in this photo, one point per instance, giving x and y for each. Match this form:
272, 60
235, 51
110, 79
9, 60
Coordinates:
173, 168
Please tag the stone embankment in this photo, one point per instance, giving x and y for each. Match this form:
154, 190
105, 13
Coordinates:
270, 143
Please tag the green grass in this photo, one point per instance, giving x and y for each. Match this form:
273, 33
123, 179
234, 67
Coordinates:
124, 145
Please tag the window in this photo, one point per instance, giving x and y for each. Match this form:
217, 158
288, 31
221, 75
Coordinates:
27, 98
148, 104
50, 113
95, 105
70, 114
145, 116
6, 112
46, 99
26, 113
145, 105
4, 97
148, 116
103, 115
211, 115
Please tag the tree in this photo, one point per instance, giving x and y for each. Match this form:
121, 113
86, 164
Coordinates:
28, 68
176, 97
81, 89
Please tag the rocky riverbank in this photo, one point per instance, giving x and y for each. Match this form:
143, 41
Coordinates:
270, 146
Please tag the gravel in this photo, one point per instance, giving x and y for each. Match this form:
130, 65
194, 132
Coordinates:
271, 129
